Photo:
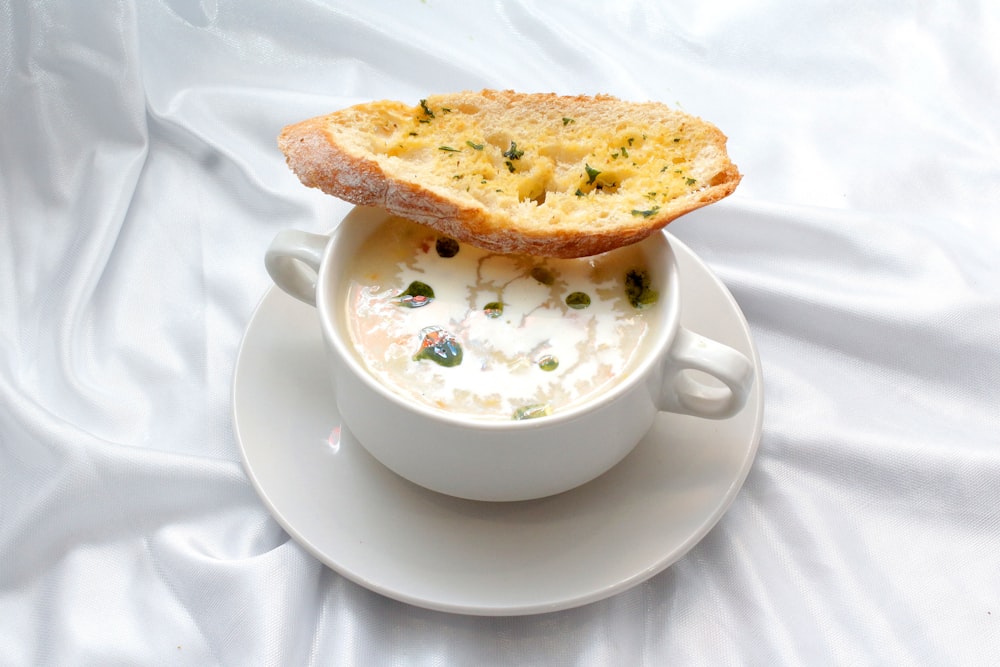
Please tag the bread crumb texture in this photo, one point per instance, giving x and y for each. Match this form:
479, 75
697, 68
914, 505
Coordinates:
541, 174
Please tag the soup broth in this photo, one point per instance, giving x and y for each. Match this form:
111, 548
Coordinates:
494, 336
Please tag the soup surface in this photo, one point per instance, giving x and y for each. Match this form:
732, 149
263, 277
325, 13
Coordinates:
494, 336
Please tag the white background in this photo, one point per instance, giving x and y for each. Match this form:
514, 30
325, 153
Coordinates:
140, 184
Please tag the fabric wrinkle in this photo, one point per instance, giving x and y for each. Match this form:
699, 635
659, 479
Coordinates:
140, 185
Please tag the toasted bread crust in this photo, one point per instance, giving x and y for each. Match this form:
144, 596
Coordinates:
498, 169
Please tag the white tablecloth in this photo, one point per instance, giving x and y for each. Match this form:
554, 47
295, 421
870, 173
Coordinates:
140, 185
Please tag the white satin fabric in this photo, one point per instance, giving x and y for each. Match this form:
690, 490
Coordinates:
140, 185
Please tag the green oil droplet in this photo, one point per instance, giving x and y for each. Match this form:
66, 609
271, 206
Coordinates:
548, 363
439, 346
533, 411
416, 295
446, 247
493, 309
578, 300
639, 289
543, 275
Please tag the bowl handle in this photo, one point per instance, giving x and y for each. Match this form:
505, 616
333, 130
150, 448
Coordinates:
293, 260
683, 393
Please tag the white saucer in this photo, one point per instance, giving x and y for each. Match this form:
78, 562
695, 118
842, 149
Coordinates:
471, 557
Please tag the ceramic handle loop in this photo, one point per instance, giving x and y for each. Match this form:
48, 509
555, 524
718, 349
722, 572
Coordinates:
293, 260
684, 394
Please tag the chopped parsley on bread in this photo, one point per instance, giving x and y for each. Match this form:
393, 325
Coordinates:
537, 174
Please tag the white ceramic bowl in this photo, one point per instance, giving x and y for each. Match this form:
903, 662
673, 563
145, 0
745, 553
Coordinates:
512, 460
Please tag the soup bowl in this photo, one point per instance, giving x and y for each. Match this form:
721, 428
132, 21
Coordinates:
463, 454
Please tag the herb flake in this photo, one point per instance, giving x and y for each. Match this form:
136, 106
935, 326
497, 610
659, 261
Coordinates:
543, 275
647, 213
578, 300
513, 153
416, 295
639, 289
445, 246
532, 411
548, 363
493, 309
439, 346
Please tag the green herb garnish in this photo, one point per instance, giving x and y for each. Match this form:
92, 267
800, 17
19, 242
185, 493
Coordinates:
647, 212
417, 288
449, 149
533, 411
591, 174
639, 290
548, 363
493, 309
474, 146
439, 346
416, 295
446, 247
427, 109
567, 121
543, 275
513, 153
624, 152
510, 166
580, 193
691, 181
578, 300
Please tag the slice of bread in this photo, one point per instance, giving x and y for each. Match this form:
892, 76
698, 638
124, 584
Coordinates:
538, 174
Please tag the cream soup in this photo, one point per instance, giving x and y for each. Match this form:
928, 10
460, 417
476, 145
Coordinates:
489, 335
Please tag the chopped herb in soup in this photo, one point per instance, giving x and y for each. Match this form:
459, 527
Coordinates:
639, 289
543, 275
578, 300
493, 309
439, 346
446, 247
416, 295
548, 363
533, 411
